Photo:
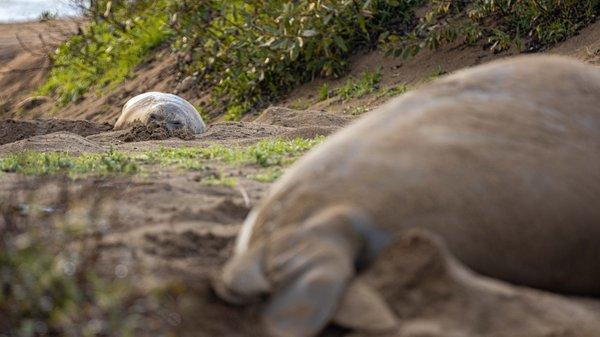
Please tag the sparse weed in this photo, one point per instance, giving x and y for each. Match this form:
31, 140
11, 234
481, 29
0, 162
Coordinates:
366, 84
300, 104
355, 111
396, 90
435, 74
220, 180
265, 153
234, 112
203, 113
268, 175
324, 92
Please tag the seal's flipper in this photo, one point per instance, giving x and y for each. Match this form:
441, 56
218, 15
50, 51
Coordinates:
362, 308
306, 304
310, 267
242, 279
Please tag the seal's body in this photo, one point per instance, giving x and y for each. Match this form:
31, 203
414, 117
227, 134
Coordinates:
157, 107
501, 161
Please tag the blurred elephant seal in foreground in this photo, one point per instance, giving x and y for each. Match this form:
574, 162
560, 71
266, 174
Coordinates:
172, 111
501, 161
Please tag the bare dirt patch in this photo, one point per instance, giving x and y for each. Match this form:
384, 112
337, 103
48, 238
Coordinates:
61, 141
12, 130
293, 118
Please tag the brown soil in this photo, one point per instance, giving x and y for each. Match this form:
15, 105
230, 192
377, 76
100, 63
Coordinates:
23, 58
13, 130
171, 228
175, 232
300, 118
61, 141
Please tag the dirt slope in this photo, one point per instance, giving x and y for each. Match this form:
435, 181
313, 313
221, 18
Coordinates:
23, 58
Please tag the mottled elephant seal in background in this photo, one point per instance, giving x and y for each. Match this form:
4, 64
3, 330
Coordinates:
501, 161
172, 111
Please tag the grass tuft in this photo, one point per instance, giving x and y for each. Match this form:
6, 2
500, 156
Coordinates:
367, 83
41, 163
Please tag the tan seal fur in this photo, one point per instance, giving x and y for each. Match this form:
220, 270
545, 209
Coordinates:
170, 110
501, 161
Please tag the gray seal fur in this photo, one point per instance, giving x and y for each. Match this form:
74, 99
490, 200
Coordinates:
157, 107
501, 161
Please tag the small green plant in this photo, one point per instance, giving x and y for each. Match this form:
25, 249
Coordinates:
203, 113
268, 175
234, 112
41, 163
47, 16
220, 180
435, 74
357, 110
300, 104
396, 90
323, 92
367, 83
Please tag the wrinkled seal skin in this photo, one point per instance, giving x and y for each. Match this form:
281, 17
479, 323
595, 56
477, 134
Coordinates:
501, 161
157, 107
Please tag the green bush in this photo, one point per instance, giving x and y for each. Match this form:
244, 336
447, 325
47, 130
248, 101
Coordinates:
252, 51
499, 24
105, 51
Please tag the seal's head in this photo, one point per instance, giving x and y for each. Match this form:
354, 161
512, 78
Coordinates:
169, 116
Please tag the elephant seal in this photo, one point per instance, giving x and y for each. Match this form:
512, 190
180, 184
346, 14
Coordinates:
501, 161
157, 107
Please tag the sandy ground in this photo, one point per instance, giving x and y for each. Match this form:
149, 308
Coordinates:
169, 227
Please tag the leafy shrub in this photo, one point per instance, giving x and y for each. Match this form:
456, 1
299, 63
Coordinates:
106, 50
251, 51
246, 53
499, 24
